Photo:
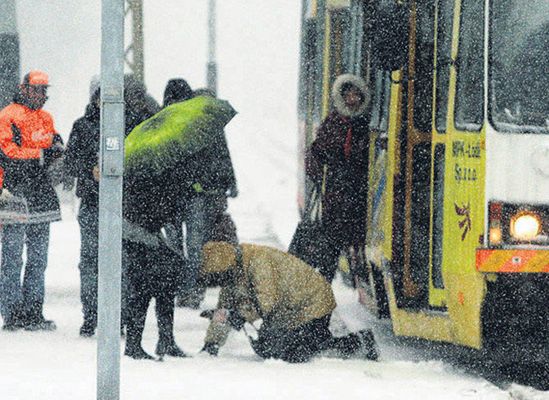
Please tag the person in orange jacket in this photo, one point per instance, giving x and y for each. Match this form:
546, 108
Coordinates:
29, 145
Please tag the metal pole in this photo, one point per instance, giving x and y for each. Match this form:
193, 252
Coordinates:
9, 52
110, 199
212, 66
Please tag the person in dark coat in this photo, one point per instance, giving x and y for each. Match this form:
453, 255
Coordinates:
152, 266
81, 162
203, 205
30, 145
177, 90
139, 105
339, 158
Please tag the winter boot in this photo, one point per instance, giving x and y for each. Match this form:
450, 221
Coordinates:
35, 321
169, 349
40, 324
88, 328
14, 321
137, 353
346, 346
368, 346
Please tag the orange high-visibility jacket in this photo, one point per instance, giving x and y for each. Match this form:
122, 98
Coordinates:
24, 132
25, 136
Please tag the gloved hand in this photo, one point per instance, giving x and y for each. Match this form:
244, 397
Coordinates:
57, 150
210, 348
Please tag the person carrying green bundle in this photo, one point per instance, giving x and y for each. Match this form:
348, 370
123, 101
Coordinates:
159, 157
174, 135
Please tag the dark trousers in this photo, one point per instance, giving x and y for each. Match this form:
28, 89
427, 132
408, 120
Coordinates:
331, 248
138, 303
88, 216
151, 272
26, 296
205, 219
301, 344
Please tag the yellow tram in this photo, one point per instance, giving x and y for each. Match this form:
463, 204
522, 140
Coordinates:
458, 206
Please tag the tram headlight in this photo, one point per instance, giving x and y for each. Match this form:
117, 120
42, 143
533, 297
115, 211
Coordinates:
525, 226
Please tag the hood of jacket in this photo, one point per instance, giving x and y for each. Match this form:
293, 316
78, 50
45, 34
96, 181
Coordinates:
337, 97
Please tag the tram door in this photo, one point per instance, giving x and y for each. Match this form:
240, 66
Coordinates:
443, 61
413, 186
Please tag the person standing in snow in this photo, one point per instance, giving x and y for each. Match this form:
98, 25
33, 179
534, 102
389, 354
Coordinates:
294, 301
82, 163
203, 205
177, 90
152, 267
31, 145
339, 158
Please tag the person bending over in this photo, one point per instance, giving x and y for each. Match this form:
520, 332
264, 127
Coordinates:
294, 301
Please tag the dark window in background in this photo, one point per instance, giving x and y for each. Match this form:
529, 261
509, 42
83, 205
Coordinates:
309, 68
423, 74
469, 113
444, 53
519, 78
438, 216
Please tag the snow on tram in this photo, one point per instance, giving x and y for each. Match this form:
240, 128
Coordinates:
457, 231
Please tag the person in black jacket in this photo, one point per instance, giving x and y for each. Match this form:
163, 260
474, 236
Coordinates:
139, 105
153, 267
203, 205
81, 162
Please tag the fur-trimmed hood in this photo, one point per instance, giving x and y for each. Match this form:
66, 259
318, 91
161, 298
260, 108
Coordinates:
339, 103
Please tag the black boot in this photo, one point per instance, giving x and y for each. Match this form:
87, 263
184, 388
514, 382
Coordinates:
166, 341
346, 346
88, 328
15, 321
368, 346
35, 321
169, 349
137, 353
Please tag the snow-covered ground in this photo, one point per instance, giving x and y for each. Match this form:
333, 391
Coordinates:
60, 365
258, 48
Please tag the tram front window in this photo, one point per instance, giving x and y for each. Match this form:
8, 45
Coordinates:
519, 50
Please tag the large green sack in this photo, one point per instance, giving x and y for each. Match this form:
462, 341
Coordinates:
165, 140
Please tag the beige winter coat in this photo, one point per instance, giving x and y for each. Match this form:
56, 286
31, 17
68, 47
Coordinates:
269, 284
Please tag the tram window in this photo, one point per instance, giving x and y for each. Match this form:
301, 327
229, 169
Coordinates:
438, 215
470, 67
445, 11
318, 83
376, 98
384, 114
308, 66
340, 23
380, 90
519, 44
423, 74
